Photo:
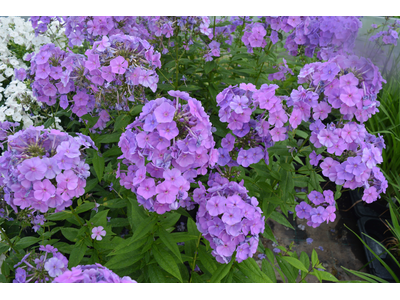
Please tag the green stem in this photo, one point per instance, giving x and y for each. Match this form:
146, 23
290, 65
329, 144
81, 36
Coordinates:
195, 256
8, 240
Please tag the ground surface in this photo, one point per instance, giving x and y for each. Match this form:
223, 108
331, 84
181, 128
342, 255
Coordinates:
340, 246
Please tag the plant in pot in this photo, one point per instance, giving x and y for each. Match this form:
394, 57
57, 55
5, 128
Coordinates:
384, 255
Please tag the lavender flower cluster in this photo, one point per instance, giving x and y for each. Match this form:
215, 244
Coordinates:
91, 274
43, 169
41, 267
51, 266
389, 36
349, 84
251, 136
228, 218
172, 142
326, 36
322, 209
152, 28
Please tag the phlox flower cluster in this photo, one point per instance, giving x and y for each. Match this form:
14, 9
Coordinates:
357, 155
251, 136
165, 148
91, 274
389, 36
50, 72
20, 32
19, 103
326, 36
322, 208
41, 267
43, 169
21, 106
281, 74
228, 218
153, 28
347, 83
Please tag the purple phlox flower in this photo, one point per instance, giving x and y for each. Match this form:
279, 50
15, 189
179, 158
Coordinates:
164, 113
330, 210
43, 190
314, 158
238, 104
166, 192
98, 233
147, 188
330, 71
318, 215
168, 130
309, 241
370, 195
216, 205
355, 166
54, 266
303, 210
118, 65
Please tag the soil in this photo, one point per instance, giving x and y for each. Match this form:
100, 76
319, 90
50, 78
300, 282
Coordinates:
340, 247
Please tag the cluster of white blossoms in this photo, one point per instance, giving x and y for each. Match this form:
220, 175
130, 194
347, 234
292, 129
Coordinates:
17, 103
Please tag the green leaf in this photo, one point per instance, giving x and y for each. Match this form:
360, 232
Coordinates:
90, 184
155, 274
170, 243
124, 260
136, 213
98, 164
26, 242
206, 259
295, 263
100, 219
268, 234
368, 277
327, 276
250, 268
268, 270
78, 252
208, 66
305, 261
221, 272
109, 138
121, 122
127, 246
62, 215
49, 122
290, 272
115, 151
314, 258
144, 228
167, 262
115, 203
85, 207
70, 233
4, 248
182, 237
281, 219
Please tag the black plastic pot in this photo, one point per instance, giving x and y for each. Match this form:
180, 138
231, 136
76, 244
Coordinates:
363, 209
375, 228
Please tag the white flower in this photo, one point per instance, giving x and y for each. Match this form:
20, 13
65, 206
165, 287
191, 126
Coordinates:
27, 121
13, 34
17, 117
19, 40
9, 112
14, 62
9, 72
